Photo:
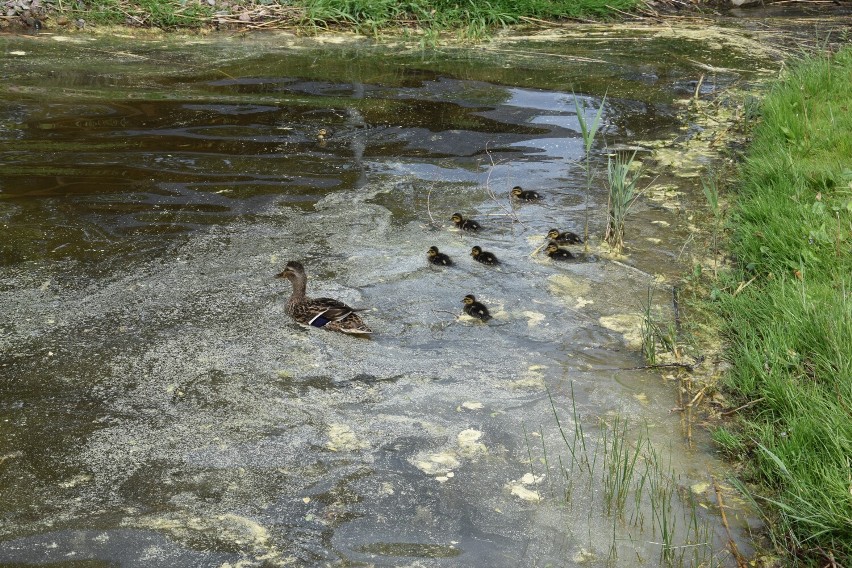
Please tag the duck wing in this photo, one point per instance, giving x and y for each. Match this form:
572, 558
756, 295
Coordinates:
336, 316
331, 309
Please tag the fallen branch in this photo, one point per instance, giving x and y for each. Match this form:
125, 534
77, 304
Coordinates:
753, 402
741, 562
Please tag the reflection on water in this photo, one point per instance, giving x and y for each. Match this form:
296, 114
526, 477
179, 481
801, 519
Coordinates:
158, 406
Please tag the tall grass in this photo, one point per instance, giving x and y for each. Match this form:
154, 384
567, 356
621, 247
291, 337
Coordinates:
477, 16
470, 18
622, 179
790, 330
589, 130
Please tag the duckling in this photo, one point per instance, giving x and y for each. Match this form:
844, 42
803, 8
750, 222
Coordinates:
326, 313
556, 253
323, 134
465, 224
437, 257
525, 194
566, 238
475, 309
482, 256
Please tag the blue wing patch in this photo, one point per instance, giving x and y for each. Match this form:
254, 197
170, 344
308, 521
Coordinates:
319, 321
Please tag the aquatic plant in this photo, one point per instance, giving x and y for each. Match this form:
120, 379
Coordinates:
589, 131
622, 178
626, 482
710, 186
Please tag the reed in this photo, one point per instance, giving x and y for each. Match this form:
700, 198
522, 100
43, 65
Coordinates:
589, 132
622, 179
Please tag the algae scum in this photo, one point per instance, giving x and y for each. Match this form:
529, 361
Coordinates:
159, 408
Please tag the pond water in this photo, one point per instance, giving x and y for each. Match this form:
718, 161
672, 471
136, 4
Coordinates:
159, 408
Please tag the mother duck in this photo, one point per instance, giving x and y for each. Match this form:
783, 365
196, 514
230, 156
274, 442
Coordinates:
326, 313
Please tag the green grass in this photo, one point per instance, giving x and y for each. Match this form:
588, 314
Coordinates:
146, 13
469, 18
622, 179
470, 14
790, 329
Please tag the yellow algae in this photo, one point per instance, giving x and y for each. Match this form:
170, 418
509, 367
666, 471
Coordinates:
522, 492
342, 438
438, 463
533, 378
469, 444
530, 479
75, 481
533, 318
628, 325
583, 556
229, 530
566, 287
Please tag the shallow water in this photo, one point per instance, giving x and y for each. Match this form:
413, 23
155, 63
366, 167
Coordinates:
159, 408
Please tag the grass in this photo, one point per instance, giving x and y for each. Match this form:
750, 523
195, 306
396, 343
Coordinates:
622, 179
789, 312
589, 130
626, 488
470, 18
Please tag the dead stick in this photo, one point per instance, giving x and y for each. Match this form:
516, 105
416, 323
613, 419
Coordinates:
743, 286
541, 246
746, 405
734, 550
429, 206
698, 86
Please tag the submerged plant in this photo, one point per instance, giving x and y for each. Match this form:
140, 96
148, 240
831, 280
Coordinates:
622, 178
710, 186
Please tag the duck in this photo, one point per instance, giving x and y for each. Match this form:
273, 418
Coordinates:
556, 253
482, 256
465, 224
566, 237
525, 194
475, 309
437, 257
326, 313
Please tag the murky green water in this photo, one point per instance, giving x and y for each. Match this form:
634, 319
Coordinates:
157, 406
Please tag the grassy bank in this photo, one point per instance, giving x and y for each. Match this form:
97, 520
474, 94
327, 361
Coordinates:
788, 312
473, 18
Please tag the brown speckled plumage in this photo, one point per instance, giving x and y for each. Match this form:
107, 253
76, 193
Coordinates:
326, 313
564, 238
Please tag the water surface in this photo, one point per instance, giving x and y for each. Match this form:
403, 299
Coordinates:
160, 409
